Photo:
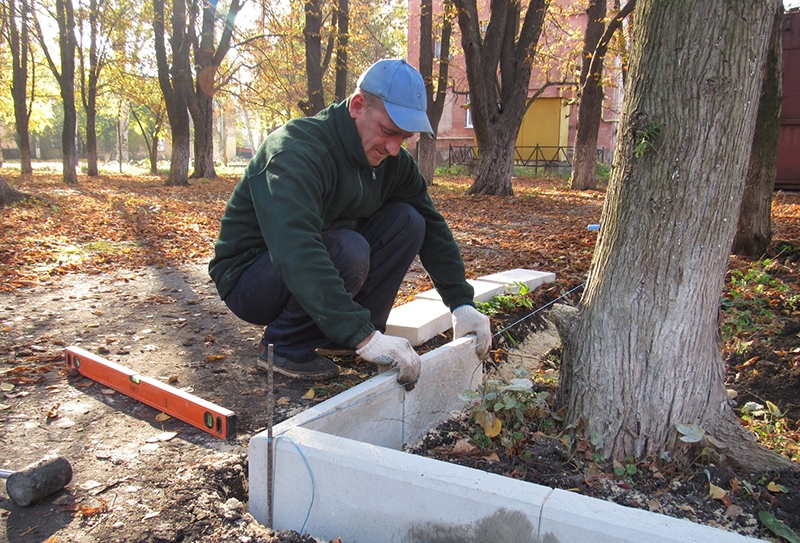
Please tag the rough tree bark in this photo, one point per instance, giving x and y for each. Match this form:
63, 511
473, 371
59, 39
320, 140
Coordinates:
754, 228
642, 354
498, 63
426, 145
590, 106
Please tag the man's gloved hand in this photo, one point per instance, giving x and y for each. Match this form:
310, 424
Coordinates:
468, 320
394, 351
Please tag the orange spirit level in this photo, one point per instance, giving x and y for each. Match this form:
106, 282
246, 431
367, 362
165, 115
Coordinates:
198, 412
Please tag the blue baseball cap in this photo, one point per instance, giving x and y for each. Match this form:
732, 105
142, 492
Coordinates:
402, 89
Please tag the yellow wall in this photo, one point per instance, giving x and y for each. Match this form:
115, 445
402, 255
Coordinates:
545, 124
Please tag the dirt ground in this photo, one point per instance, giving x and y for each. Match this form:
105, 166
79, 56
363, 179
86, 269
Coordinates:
139, 478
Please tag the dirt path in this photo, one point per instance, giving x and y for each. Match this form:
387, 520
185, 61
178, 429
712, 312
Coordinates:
135, 478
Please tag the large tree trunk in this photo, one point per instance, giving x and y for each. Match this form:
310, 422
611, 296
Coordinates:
10, 195
204, 137
18, 41
643, 354
754, 229
496, 165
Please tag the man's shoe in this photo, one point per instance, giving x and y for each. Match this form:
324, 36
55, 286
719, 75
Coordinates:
318, 368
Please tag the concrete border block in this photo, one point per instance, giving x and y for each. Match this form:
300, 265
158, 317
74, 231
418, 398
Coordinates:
567, 516
484, 291
367, 493
531, 278
419, 320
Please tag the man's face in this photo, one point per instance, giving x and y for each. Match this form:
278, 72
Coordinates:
379, 135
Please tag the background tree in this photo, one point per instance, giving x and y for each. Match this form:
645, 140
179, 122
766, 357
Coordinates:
642, 355
16, 33
175, 80
498, 64
65, 19
318, 59
273, 87
590, 95
754, 228
316, 62
106, 29
207, 60
342, 41
435, 81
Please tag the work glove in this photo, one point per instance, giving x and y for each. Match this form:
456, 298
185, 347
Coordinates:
394, 352
468, 320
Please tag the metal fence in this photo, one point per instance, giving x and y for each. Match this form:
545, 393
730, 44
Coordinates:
538, 156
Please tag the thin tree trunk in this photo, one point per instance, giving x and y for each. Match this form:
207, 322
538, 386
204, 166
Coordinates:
754, 228
152, 152
18, 41
426, 157
176, 84
643, 354
66, 25
426, 145
590, 106
342, 40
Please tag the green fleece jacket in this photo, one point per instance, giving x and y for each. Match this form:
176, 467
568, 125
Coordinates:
312, 175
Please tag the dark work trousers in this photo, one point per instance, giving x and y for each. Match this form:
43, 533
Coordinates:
372, 261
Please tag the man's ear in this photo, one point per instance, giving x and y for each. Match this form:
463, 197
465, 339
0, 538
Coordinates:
357, 104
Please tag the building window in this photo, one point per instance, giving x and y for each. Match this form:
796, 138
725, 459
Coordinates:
468, 122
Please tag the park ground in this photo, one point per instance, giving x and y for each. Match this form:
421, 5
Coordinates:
117, 266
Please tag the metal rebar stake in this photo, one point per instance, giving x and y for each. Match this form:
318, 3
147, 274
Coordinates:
270, 404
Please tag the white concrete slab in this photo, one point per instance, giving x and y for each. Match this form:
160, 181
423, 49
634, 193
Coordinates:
365, 493
531, 278
371, 412
446, 372
419, 320
484, 291
567, 516
379, 411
